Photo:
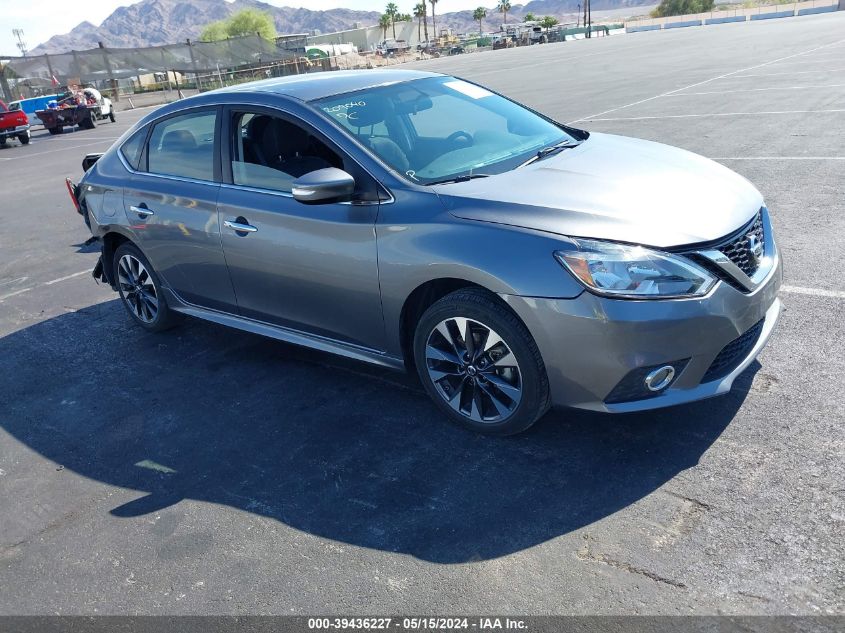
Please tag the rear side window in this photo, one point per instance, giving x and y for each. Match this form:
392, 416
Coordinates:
184, 146
131, 149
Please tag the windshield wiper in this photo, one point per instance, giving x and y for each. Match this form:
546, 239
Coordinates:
551, 149
461, 178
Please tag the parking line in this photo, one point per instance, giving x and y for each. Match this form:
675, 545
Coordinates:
55, 281
691, 116
15, 293
706, 81
55, 149
728, 92
814, 292
777, 158
46, 283
797, 72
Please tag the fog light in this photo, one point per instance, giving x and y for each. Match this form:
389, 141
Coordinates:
658, 379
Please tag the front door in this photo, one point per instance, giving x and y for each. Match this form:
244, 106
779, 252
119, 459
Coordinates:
310, 267
171, 204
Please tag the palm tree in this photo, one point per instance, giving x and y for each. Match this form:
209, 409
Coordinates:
419, 13
391, 10
478, 15
425, 20
433, 22
548, 22
504, 7
384, 22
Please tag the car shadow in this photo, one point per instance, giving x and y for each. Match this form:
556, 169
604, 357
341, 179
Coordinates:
331, 447
89, 246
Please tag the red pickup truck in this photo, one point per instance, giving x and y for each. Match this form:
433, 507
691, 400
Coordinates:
13, 124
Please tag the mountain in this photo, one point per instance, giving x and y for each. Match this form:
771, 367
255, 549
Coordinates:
155, 22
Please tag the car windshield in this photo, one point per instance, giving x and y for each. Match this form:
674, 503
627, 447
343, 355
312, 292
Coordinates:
441, 129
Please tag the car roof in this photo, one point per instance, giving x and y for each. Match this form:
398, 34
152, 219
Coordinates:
325, 84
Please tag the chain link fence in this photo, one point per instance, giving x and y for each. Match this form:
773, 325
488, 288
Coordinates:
117, 70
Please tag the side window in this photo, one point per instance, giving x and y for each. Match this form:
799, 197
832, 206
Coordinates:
269, 152
131, 149
183, 146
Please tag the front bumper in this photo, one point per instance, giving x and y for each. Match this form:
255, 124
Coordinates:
590, 343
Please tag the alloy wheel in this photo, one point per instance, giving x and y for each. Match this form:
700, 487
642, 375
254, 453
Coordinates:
138, 288
473, 369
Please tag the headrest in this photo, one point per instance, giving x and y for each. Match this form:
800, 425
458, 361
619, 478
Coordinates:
373, 111
179, 140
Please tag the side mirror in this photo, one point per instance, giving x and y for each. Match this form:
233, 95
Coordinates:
323, 185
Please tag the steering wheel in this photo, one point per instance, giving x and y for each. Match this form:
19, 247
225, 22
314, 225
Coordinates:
455, 138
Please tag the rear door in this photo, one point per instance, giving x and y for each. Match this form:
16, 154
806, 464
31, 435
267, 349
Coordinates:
309, 267
171, 204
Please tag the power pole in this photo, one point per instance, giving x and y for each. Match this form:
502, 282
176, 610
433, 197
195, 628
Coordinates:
588, 20
21, 44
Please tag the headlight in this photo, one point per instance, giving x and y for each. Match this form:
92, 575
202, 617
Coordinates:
634, 272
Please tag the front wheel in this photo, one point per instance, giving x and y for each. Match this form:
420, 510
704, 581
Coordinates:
480, 365
140, 290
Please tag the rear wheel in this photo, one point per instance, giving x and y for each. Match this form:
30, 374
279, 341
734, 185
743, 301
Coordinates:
55, 130
140, 290
24, 138
479, 364
111, 115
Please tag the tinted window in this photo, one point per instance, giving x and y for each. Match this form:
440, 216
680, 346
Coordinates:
131, 149
270, 152
184, 146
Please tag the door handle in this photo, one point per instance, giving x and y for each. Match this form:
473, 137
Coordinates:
239, 227
144, 212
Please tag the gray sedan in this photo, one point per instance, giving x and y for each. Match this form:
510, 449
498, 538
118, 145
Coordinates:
416, 220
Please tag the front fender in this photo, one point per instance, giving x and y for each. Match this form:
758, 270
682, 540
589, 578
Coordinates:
503, 259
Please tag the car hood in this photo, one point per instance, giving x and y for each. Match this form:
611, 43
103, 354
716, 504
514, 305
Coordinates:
614, 188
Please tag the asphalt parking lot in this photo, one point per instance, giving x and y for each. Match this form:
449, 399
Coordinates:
210, 471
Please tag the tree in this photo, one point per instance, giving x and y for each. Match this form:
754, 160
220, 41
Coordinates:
529, 17
425, 19
433, 23
504, 7
392, 11
548, 22
478, 15
419, 13
681, 7
244, 22
384, 23
214, 32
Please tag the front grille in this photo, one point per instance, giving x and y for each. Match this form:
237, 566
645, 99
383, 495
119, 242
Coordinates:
710, 266
735, 247
738, 250
733, 353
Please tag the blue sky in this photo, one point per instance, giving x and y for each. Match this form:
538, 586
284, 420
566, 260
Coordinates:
41, 19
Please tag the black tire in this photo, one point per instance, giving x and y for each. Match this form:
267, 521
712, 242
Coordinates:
111, 115
164, 317
24, 138
55, 130
485, 309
